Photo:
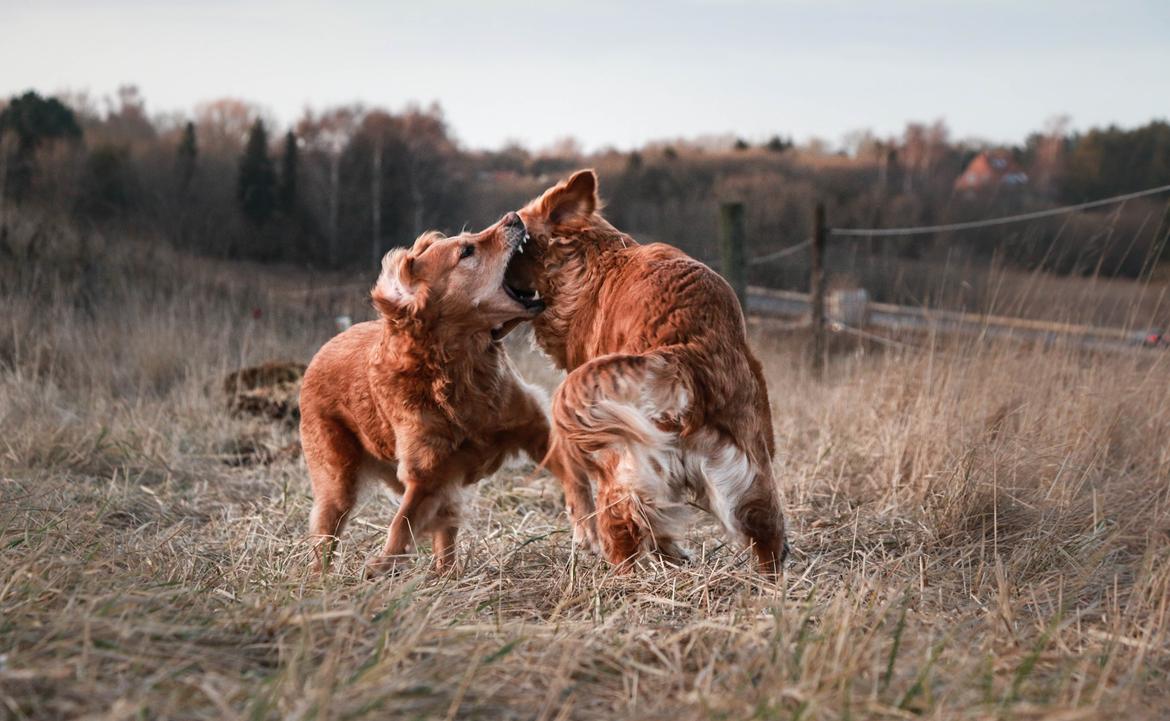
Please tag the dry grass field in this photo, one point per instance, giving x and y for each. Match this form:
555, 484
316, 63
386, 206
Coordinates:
978, 532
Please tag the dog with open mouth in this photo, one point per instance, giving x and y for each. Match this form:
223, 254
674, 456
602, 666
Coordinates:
424, 399
665, 406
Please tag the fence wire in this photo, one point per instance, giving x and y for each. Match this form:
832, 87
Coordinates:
783, 253
928, 229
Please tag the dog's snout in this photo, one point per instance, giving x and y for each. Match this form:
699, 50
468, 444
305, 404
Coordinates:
512, 220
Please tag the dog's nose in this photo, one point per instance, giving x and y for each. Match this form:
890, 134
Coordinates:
512, 220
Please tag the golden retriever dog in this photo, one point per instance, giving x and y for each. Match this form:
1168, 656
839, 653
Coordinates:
424, 399
665, 405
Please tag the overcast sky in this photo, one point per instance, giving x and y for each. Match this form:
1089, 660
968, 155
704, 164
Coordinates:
619, 73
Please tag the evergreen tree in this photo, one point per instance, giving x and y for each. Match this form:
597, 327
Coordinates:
777, 144
286, 194
187, 154
108, 182
256, 187
1108, 161
33, 120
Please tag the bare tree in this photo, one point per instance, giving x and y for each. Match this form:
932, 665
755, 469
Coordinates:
429, 151
376, 203
7, 144
1049, 153
223, 124
326, 136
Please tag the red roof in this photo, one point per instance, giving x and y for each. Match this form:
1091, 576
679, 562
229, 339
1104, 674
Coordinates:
990, 169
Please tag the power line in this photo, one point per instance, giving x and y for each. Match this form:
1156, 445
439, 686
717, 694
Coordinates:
926, 229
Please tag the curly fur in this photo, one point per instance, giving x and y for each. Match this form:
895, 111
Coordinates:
664, 399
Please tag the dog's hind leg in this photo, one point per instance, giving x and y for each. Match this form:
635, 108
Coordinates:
443, 545
616, 419
621, 528
740, 492
759, 517
445, 528
333, 457
652, 478
574, 480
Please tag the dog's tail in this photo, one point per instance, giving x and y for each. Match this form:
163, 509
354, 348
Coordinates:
619, 401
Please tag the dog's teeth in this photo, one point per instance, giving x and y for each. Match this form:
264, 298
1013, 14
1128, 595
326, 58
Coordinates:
521, 248
536, 295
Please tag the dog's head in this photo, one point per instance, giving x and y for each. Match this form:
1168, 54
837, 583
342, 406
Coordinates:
558, 223
458, 283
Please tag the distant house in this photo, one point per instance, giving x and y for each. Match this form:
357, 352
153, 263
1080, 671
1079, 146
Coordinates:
989, 170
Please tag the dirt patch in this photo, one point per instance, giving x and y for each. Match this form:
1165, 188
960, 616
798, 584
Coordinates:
270, 391
248, 451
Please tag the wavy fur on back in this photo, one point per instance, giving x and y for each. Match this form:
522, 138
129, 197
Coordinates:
664, 398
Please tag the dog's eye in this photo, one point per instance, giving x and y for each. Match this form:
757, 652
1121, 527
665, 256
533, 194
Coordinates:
466, 252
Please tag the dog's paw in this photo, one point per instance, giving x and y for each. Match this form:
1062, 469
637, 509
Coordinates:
585, 535
448, 568
673, 553
324, 556
386, 565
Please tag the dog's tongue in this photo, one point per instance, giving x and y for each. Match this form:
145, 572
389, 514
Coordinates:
506, 328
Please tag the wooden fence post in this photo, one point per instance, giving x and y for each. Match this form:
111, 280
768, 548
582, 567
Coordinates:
816, 287
731, 251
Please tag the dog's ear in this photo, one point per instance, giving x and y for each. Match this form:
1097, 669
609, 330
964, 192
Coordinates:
573, 199
394, 293
424, 241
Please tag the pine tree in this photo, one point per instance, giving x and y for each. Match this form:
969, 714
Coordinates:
33, 121
778, 145
187, 154
286, 194
256, 189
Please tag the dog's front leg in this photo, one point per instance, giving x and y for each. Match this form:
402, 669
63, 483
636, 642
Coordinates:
414, 514
534, 439
578, 499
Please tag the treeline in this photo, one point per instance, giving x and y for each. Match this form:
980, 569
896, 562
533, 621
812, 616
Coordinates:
222, 183
339, 187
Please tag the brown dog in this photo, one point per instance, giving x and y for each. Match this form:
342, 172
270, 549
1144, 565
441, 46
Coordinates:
424, 399
665, 402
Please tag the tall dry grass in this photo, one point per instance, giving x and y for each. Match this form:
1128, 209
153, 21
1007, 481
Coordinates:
979, 531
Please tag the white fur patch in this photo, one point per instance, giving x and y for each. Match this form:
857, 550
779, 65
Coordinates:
652, 475
536, 392
650, 462
390, 284
659, 469
726, 475
374, 475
